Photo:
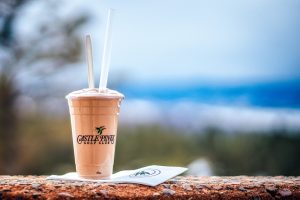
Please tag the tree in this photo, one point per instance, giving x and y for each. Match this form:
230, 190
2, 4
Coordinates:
55, 44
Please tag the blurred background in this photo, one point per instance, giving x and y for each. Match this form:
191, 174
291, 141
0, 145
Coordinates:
211, 85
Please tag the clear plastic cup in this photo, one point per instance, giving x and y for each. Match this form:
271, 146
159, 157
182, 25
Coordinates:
94, 121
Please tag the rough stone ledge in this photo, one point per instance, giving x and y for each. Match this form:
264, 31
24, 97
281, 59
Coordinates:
189, 187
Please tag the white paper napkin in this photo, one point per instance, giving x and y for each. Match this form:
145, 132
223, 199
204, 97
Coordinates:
151, 175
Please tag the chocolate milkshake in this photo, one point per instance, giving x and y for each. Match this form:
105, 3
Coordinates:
94, 120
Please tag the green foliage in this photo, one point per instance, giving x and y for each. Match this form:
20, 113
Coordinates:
273, 153
151, 145
46, 148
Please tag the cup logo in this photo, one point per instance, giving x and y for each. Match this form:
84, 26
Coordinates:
100, 129
98, 138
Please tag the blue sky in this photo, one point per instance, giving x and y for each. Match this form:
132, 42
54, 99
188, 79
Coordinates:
209, 40
174, 40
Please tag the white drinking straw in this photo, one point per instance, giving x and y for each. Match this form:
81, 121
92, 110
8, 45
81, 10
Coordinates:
89, 57
106, 52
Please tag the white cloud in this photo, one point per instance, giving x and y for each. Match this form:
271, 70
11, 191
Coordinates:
140, 112
193, 116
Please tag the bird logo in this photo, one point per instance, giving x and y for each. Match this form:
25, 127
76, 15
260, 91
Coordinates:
100, 129
145, 173
142, 173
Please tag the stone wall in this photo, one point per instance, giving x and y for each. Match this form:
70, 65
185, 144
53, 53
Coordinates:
239, 187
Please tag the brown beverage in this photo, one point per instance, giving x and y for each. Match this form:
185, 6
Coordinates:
94, 120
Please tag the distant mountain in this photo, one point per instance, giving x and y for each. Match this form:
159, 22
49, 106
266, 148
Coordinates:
281, 94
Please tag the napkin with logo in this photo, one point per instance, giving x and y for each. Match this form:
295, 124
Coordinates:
151, 175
